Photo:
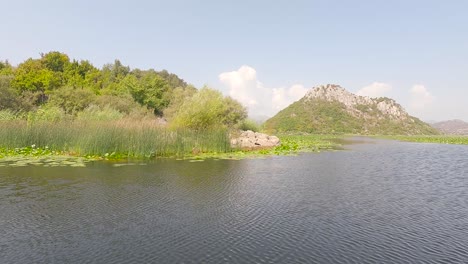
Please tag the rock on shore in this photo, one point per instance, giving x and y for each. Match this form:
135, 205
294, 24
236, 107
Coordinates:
254, 140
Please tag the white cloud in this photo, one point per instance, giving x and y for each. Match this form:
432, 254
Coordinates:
244, 86
376, 89
282, 97
421, 98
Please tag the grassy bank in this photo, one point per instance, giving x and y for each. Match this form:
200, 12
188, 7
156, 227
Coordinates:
105, 139
444, 139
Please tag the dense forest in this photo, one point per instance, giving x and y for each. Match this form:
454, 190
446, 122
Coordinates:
55, 87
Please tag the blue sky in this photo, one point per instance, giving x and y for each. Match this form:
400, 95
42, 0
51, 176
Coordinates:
265, 53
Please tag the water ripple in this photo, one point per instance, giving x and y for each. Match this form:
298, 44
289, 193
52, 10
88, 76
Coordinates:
374, 203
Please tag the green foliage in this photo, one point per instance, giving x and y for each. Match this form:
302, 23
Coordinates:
53, 81
290, 145
6, 69
124, 103
28, 151
96, 113
71, 100
112, 74
172, 79
82, 75
55, 61
8, 97
46, 113
208, 109
8, 115
234, 112
33, 76
149, 90
29, 101
178, 96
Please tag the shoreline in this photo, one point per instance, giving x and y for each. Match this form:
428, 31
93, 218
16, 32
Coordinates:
290, 145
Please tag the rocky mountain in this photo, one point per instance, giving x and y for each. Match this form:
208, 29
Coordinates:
331, 109
452, 127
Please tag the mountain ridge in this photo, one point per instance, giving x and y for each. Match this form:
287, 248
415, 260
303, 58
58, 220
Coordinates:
452, 127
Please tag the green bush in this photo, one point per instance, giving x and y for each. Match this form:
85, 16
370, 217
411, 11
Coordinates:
71, 100
46, 113
8, 97
208, 109
96, 113
123, 103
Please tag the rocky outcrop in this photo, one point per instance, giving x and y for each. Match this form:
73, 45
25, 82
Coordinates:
355, 104
254, 140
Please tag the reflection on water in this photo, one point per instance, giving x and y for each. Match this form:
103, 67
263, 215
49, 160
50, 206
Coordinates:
385, 202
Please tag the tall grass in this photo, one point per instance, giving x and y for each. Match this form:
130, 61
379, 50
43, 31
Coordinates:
118, 138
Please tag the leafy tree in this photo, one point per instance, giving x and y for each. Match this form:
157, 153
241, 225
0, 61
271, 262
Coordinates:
55, 61
208, 109
33, 76
172, 79
149, 90
112, 74
82, 74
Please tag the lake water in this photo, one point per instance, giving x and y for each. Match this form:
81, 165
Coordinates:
376, 202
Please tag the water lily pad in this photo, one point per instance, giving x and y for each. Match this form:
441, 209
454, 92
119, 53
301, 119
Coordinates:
78, 165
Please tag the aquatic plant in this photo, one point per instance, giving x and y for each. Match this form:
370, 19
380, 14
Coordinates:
444, 139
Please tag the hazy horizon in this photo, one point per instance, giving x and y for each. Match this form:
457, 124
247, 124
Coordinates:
264, 54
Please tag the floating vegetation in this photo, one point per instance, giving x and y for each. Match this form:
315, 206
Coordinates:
447, 139
290, 145
55, 161
127, 164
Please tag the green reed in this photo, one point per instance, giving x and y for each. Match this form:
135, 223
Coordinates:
111, 139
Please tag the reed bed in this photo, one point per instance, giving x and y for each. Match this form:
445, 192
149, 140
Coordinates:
444, 139
112, 139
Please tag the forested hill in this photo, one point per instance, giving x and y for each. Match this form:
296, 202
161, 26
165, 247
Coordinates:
54, 76
332, 109
55, 87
